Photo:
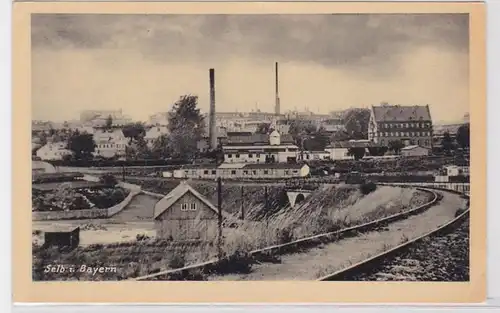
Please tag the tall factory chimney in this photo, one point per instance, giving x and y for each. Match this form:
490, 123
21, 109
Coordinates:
212, 125
277, 103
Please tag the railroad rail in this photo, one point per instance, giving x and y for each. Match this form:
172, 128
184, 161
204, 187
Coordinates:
261, 255
374, 263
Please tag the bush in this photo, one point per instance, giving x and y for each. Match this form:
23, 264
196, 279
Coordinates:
367, 188
285, 236
109, 179
177, 260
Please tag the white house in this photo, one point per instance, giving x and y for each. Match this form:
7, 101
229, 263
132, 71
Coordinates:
339, 150
154, 133
53, 151
454, 170
110, 143
315, 155
244, 170
414, 150
258, 148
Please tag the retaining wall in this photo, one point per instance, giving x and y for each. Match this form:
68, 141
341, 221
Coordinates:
90, 213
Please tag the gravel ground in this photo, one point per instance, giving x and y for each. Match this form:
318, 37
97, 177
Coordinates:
317, 262
444, 258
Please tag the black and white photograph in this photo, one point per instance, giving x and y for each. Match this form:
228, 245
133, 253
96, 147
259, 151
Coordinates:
250, 147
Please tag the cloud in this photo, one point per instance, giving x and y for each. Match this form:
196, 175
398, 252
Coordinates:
342, 40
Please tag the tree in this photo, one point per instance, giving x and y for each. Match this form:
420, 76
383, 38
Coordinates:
463, 136
82, 145
160, 149
447, 142
396, 146
134, 130
377, 151
356, 122
357, 152
186, 126
108, 180
264, 128
109, 122
137, 150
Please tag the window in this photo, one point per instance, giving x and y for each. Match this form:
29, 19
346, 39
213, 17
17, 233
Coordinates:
229, 155
254, 172
205, 172
245, 172
406, 125
192, 207
213, 172
237, 155
233, 172
418, 142
397, 134
426, 142
257, 155
295, 171
307, 156
286, 172
407, 134
250, 155
382, 141
266, 172
184, 207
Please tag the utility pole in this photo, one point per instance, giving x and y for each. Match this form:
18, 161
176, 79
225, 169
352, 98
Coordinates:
242, 204
219, 204
266, 207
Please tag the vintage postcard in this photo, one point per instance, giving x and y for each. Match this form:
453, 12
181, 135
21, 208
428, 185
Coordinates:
249, 152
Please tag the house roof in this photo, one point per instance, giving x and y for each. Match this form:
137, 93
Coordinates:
166, 202
399, 113
256, 139
275, 166
412, 147
351, 144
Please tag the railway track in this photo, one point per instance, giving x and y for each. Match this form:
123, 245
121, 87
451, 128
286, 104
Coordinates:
299, 260
439, 255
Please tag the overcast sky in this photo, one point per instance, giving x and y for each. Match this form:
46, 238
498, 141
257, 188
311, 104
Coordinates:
143, 63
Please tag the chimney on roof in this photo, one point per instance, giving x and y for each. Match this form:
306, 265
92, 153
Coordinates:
212, 128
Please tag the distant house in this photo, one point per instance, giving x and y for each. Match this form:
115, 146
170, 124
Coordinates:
314, 155
244, 171
339, 150
185, 214
412, 125
53, 151
414, 151
110, 144
454, 170
154, 133
260, 148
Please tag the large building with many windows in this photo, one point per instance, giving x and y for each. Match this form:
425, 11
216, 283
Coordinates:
412, 125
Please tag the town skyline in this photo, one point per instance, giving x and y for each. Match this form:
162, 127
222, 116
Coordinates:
143, 64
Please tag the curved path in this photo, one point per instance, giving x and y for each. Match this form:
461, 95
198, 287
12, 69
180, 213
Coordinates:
317, 262
141, 208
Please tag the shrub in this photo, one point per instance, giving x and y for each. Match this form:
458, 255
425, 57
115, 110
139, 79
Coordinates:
109, 179
177, 260
285, 236
367, 188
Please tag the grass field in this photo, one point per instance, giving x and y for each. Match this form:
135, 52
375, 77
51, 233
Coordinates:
327, 209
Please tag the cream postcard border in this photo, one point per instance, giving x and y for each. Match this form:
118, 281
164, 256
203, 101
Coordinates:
24, 290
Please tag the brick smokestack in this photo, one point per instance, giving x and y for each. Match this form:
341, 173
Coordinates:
212, 125
277, 100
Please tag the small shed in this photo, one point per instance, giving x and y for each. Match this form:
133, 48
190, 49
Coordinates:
185, 214
63, 237
414, 150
